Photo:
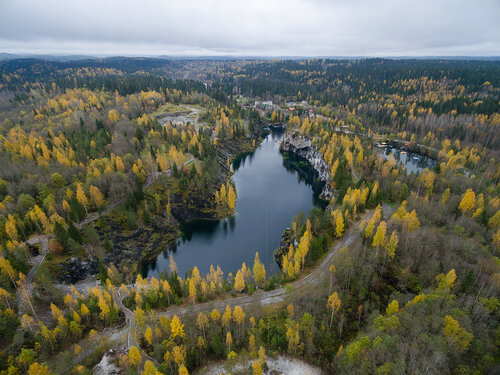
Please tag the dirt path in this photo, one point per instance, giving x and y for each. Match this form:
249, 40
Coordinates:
129, 315
23, 291
276, 297
259, 300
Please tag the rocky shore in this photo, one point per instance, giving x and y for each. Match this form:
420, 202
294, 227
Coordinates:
287, 239
302, 146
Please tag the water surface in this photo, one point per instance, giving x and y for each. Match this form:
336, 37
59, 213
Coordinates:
270, 192
412, 161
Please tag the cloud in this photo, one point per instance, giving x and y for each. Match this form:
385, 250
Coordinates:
258, 27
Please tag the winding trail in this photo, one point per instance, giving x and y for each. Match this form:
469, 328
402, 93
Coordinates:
307, 285
275, 298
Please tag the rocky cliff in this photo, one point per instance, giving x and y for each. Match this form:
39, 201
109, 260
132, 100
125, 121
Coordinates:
302, 146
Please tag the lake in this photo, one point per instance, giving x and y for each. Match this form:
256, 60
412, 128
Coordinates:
412, 161
271, 189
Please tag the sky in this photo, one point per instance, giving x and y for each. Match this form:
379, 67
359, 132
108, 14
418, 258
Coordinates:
251, 27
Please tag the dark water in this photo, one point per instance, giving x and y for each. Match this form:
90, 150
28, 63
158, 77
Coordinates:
271, 189
413, 162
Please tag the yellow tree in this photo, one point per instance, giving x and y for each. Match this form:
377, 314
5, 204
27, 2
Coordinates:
411, 222
251, 345
105, 310
468, 202
148, 335
119, 164
303, 248
172, 265
239, 318
10, 227
223, 193
7, 270
292, 335
150, 369
256, 368
334, 305
37, 369
231, 197
134, 357
96, 197
192, 290
239, 282
179, 355
27, 322
369, 229
379, 238
81, 197
259, 271
113, 115
229, 341
202, 322
226, 317
176, 328
391, 245
262, 356
339, 225
446, 281
392, 308
84, 310
456, 336
215, 316
166, 288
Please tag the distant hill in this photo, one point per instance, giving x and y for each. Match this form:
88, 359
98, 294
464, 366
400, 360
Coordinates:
66, 58
62, 58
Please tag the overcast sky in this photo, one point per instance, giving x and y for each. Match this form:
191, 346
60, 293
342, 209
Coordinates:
252, 27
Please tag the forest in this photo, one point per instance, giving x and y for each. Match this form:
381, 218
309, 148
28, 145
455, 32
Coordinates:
398, 273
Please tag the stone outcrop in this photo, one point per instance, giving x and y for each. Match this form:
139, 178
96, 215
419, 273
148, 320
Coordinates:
75, 269
302, 146
287, 239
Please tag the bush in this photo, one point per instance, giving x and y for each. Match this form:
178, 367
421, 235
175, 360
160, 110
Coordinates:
55, 247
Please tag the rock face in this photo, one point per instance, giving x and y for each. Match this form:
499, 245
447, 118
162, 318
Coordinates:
302, 146
76, 269
287, 239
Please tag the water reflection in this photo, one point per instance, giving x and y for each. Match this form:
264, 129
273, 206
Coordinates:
271, 189
413, 162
